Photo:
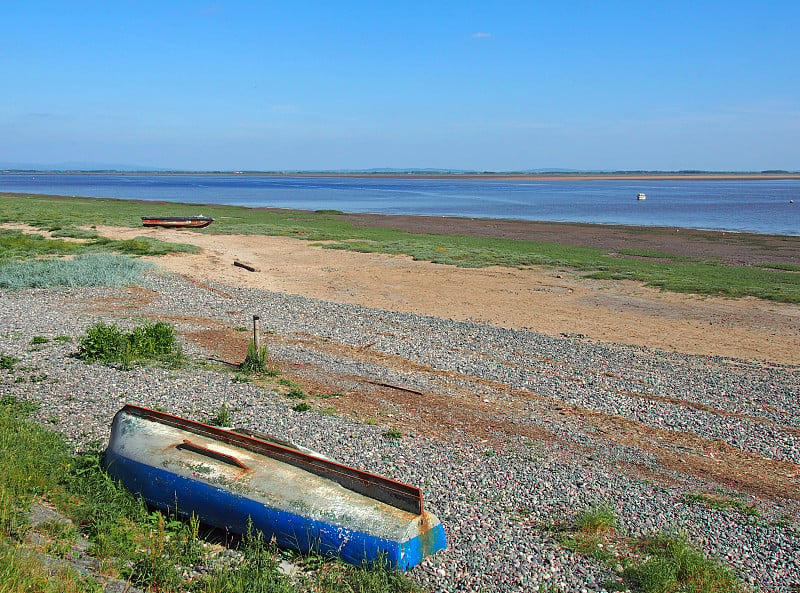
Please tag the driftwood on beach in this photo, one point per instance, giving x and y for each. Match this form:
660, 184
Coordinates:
247, 267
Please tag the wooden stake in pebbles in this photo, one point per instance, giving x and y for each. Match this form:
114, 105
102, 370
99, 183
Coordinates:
255, 332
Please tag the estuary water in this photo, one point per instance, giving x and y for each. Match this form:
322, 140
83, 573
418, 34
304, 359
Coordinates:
760, 206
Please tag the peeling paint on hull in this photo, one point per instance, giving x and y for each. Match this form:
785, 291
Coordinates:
292, 496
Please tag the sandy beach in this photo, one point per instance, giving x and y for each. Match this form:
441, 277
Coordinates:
550, 301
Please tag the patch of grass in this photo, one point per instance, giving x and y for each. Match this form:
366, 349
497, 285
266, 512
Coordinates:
594, 531
652, 254
222, 417
256, 361
343, 578
672, 564
722, 503
302, 407
660, 564
257, 572
296, 393
393, 433
83, 270
7, 362
597, 519
708, 279
785, 267
330, 395
74, 233
17, 245
152, 342
142, 246
23, 571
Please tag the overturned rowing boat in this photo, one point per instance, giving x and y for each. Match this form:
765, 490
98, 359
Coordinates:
304, 501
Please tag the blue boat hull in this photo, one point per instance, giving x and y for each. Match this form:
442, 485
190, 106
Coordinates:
234, 506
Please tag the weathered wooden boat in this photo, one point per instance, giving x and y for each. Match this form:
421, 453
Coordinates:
192, 222
304, 501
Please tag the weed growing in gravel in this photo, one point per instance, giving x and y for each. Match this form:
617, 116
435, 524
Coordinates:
302, 407
722, 503
256, 361
148, 343
393, 433
223, 417
296, 393
672, 564
7, 362
597, 519
659, 564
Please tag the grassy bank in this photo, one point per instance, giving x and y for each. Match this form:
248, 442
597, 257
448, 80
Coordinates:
663, 270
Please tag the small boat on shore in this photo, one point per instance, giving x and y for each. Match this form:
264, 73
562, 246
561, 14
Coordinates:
190, 222
641, 196
304, 501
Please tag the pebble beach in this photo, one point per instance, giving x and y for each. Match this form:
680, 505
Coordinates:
510, 433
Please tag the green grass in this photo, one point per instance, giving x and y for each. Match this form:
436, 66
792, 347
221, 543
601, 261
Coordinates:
222, 417
597, 519
722, 503
660, 564
592, 529
257, 361
672, 564
16, 245
658, 269
7, 362
150, 550
152, 342
393, 433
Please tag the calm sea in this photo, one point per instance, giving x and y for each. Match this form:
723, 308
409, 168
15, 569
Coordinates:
760, 206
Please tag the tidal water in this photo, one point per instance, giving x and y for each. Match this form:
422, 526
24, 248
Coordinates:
759, 206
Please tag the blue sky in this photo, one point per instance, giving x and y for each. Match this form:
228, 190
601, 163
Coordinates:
349, 85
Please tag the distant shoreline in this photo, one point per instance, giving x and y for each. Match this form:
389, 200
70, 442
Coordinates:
643, 176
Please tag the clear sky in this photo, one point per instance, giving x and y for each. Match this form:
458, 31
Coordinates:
300, 85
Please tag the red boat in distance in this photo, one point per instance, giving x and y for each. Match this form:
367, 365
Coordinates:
179, 222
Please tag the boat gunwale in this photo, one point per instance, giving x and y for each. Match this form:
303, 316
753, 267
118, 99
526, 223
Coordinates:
194, 222
397, 494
